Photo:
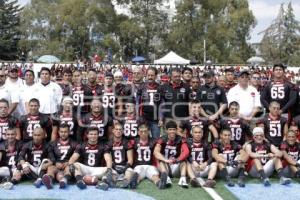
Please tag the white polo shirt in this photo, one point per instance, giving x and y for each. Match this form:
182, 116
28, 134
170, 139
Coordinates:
11, 94
248, 98
50, 97
26, 93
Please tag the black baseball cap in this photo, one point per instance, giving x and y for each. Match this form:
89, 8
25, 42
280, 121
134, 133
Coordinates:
243, 72
209, 73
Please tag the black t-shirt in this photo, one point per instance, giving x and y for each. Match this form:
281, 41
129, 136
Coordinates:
62, 150
119, 151
10, 156
71, 120
5, 123
229, 151
171, 148
262, 149
292, 150
199, 151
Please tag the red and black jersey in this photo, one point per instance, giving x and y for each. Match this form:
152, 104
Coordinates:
34, 154
6, 123
71, 120
30, 122
292, 150
274, 129
239, 129
262, 149
10, 155
171, 148
130, 125
149, 98
284, 92
101, 122
66, 89
203, 123
229, 151
92, 155
78, 97
62, 150
176, 98
89, 93
143, 152
199, 151
108, 99
119, 151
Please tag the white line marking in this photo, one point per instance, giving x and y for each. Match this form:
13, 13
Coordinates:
210, 191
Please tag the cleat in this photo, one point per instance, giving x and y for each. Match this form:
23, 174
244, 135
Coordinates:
169, 182
182, 182
266, 182
46, 179
134, 181
81, 185
194, 183
109, 180
62, 184
38, 183
102, 186
285, 181
163, 181
241, 181
209, 183
229, 183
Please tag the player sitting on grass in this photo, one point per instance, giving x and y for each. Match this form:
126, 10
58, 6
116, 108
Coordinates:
171, 151
264, 157
62, 149
231, 158
9, 152
143, 162
122, 156
35, 159
291, 150
86, 162
200, 160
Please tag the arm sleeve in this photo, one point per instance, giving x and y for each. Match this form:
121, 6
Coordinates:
292, 100
184, 152
264, 97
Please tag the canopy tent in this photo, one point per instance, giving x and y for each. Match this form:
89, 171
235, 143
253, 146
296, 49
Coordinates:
172, 58
48, 59
138, 59
255, 60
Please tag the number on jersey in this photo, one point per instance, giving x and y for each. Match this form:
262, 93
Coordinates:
144, 155
31, 128
78, 99
130, 130
108, 101
91, 159
118, 156
236, 134
277, 92
275, 130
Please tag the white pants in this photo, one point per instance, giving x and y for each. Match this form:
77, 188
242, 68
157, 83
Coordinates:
38, 169
146, 171
268, 168
202, 174
91, 171
175, 169
4, 172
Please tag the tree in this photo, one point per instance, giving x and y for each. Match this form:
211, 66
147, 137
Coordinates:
9, 34
281, 40
224, 25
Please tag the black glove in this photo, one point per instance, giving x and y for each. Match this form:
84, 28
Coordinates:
297, 165
122, 169
233, 163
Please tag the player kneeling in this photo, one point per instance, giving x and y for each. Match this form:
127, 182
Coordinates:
122, 156
290, 150
143, 150
9, 152
36, 158
264, 157
91, 154
171, 151
231, 158
199, 163
62, 149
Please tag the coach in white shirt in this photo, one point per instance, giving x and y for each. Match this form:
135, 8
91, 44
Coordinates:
11, 94
26, 92
48, 93
246, 95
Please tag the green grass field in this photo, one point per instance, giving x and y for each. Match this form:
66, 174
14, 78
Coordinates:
176, 192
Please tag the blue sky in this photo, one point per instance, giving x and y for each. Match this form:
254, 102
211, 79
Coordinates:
264, 10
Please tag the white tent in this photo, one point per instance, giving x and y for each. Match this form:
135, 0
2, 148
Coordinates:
172, 58
255, 60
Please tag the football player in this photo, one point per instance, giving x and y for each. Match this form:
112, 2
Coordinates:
143, 159
34, 119
231, 158
291, 151
62, 149
200, 160
264, 157
87, 161
36, 157
9, 152
122, 155
172, 151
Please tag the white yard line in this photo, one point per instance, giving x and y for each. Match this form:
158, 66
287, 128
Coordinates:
210, 191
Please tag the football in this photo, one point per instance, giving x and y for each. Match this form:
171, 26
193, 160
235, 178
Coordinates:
90, 180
